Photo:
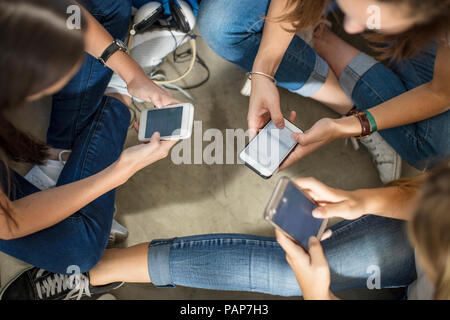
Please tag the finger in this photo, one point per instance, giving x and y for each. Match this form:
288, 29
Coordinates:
277, 116
298, 153
316, 252
306, 138
168, 144
155, 138
292, 116
318, 190
169, 100
156, 100
332, 210
136, 126
291, 248
326, 235
254, 124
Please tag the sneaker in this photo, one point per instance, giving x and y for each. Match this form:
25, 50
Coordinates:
46, 176
37, 284
247, 88
387, 161
107, 296
118, 234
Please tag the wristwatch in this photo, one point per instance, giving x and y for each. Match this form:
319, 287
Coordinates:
112, 48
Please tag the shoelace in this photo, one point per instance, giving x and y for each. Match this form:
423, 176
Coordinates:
78, 284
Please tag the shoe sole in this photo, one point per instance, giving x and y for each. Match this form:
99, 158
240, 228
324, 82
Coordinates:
2, 292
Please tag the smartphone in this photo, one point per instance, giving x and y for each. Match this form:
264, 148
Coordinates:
172, 122
290, 210
265, 153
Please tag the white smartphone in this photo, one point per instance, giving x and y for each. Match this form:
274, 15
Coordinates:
172, 122
265, 153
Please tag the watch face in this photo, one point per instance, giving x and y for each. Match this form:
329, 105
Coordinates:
121, 45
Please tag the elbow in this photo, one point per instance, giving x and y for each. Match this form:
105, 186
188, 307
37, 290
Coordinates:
441, 91
5, 234
5, 229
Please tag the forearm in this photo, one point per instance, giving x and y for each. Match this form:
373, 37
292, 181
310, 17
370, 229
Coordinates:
423, 102
390, 202
275, 40
413, 106
44, 209
97, 39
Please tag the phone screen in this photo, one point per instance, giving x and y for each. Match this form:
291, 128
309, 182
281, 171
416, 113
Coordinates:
166, 121
294, 215
271, 146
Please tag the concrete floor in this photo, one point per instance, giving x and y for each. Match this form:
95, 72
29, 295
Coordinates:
167, 200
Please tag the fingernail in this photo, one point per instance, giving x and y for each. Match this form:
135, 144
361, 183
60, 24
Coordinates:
313, 240
316, 213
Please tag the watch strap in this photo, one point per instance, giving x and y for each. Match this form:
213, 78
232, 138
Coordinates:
115, 46
366, 128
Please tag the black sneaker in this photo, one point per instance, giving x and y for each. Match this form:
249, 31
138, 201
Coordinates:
39, 284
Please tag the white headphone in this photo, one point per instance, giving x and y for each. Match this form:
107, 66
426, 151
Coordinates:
149, 48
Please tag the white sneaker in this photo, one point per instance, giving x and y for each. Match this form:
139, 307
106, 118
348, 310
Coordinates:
46, 176
386, 159
247, 88
118, 234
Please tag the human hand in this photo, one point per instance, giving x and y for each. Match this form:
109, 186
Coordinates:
322, 132
264, 105
143, 88
349, 205
310, 267
140, 156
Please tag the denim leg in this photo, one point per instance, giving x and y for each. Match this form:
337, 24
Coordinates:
258, 264
233, 29
370, 83
73, 107
81, 238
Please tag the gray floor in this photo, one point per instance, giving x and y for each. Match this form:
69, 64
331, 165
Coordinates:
166, 200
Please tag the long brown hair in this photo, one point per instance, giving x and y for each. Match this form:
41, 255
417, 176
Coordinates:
434, 16
429, 229
37, 49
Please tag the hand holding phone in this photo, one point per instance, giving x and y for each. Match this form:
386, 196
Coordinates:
173, 122
290, 210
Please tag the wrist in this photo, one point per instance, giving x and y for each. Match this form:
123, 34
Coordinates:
347, 127
124, 169
125, 66
266, 65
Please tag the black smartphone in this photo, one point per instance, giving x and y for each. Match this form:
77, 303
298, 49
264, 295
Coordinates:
290, 210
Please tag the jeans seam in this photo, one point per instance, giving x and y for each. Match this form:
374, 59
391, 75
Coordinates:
97, 121
83, 101
349, 225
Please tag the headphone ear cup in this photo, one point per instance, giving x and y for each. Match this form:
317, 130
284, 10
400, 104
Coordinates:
147, 15
183, 16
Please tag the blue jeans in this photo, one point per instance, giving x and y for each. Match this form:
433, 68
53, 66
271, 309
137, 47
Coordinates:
94, 127
233, 29
369, 246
